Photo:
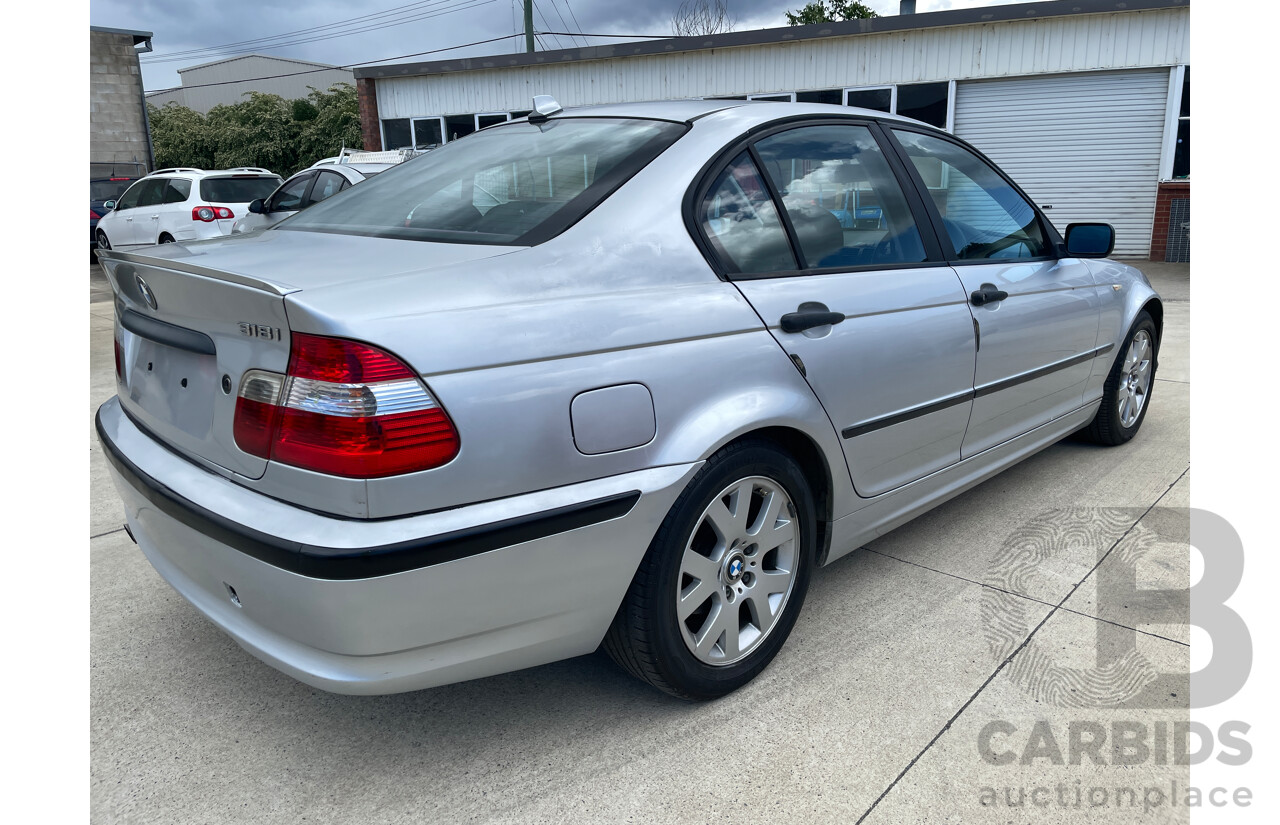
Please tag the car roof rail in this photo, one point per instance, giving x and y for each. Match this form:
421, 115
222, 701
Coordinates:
175, 169
249, 169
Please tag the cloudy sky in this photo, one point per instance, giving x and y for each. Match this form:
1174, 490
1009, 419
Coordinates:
344, 32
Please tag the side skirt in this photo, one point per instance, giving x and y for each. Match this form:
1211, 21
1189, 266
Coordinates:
896, 508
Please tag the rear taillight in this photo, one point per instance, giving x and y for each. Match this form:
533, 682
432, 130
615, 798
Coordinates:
209, 214
345, 409
93, 215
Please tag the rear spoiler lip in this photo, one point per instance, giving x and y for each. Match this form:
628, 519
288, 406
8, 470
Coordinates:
195, 269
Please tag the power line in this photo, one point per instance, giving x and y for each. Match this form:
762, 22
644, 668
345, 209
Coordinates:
575, 20
397, 57
548, 25
556, 8
467, 4
392, 11
331, 68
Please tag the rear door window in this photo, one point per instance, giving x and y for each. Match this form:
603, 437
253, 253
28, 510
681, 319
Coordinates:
177, 190
327, 185
152, 192
841, 197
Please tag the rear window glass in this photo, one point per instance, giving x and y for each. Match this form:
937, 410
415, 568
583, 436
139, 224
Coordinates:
518, 183
107, 190
237, 190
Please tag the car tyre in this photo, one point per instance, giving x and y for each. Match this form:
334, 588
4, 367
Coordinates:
103, 243
166, 238
733, 556
1126, 395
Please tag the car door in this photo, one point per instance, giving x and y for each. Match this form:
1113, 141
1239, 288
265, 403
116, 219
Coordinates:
289, 198
145, 223
117, 224
864, 306
1036, 313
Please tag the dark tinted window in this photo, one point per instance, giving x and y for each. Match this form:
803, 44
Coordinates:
130, 198
396, 134
107, 190
457, 126
843, 200
237, 189
833, 96
739, 218
1185, 110
426, 132
327, 185
984, 216
773, 98
177, 190
490, 120
289, 196
878, 100
498, 185
925, 102
1182, 150
152, 192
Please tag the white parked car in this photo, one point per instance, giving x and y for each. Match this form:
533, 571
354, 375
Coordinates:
321, 181
182, 204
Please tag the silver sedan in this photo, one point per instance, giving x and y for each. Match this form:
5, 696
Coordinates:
624, 376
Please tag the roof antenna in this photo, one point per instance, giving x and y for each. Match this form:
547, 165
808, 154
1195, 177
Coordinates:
544, 106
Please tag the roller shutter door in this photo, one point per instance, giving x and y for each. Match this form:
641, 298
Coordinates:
1083, 146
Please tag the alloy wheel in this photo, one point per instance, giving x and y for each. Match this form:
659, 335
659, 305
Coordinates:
737, 571
1135, 379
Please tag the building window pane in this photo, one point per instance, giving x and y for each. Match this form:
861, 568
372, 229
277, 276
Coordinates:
831, 96
426, 132
456, 126
1185, 111
395, 134
489, 120
878, 100
779, 98
1182, 150
926, 102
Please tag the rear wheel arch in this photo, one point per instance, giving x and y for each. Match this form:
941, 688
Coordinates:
813, 463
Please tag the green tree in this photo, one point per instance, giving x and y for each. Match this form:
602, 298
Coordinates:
264, 130
819, 12
179, 137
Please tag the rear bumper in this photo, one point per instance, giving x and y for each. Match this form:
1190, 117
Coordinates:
392, 605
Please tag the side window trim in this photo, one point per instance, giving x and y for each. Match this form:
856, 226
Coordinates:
1054, 240
935, 253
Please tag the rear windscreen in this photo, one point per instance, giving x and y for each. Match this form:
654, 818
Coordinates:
237, 190
107, 190
518, 183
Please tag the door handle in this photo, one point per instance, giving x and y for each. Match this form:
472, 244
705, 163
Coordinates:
987, 294
809, 315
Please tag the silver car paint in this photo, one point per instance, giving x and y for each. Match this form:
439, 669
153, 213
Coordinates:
507, 338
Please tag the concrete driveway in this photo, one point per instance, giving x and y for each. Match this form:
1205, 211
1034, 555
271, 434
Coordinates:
952, 671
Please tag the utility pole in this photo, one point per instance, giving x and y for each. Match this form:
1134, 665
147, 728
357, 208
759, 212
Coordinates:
528, 25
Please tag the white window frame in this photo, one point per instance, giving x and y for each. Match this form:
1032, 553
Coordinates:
1173, 108
893, 98
413, 128
382, 128
506, 117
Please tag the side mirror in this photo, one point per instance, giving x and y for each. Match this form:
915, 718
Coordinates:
257, 207
1090, 240
109, 205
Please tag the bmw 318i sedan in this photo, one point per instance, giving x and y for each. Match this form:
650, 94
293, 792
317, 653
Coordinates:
622, 376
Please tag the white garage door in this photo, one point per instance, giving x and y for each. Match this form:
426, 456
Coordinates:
1083, 146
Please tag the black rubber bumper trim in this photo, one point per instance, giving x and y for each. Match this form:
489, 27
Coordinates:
341, 564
